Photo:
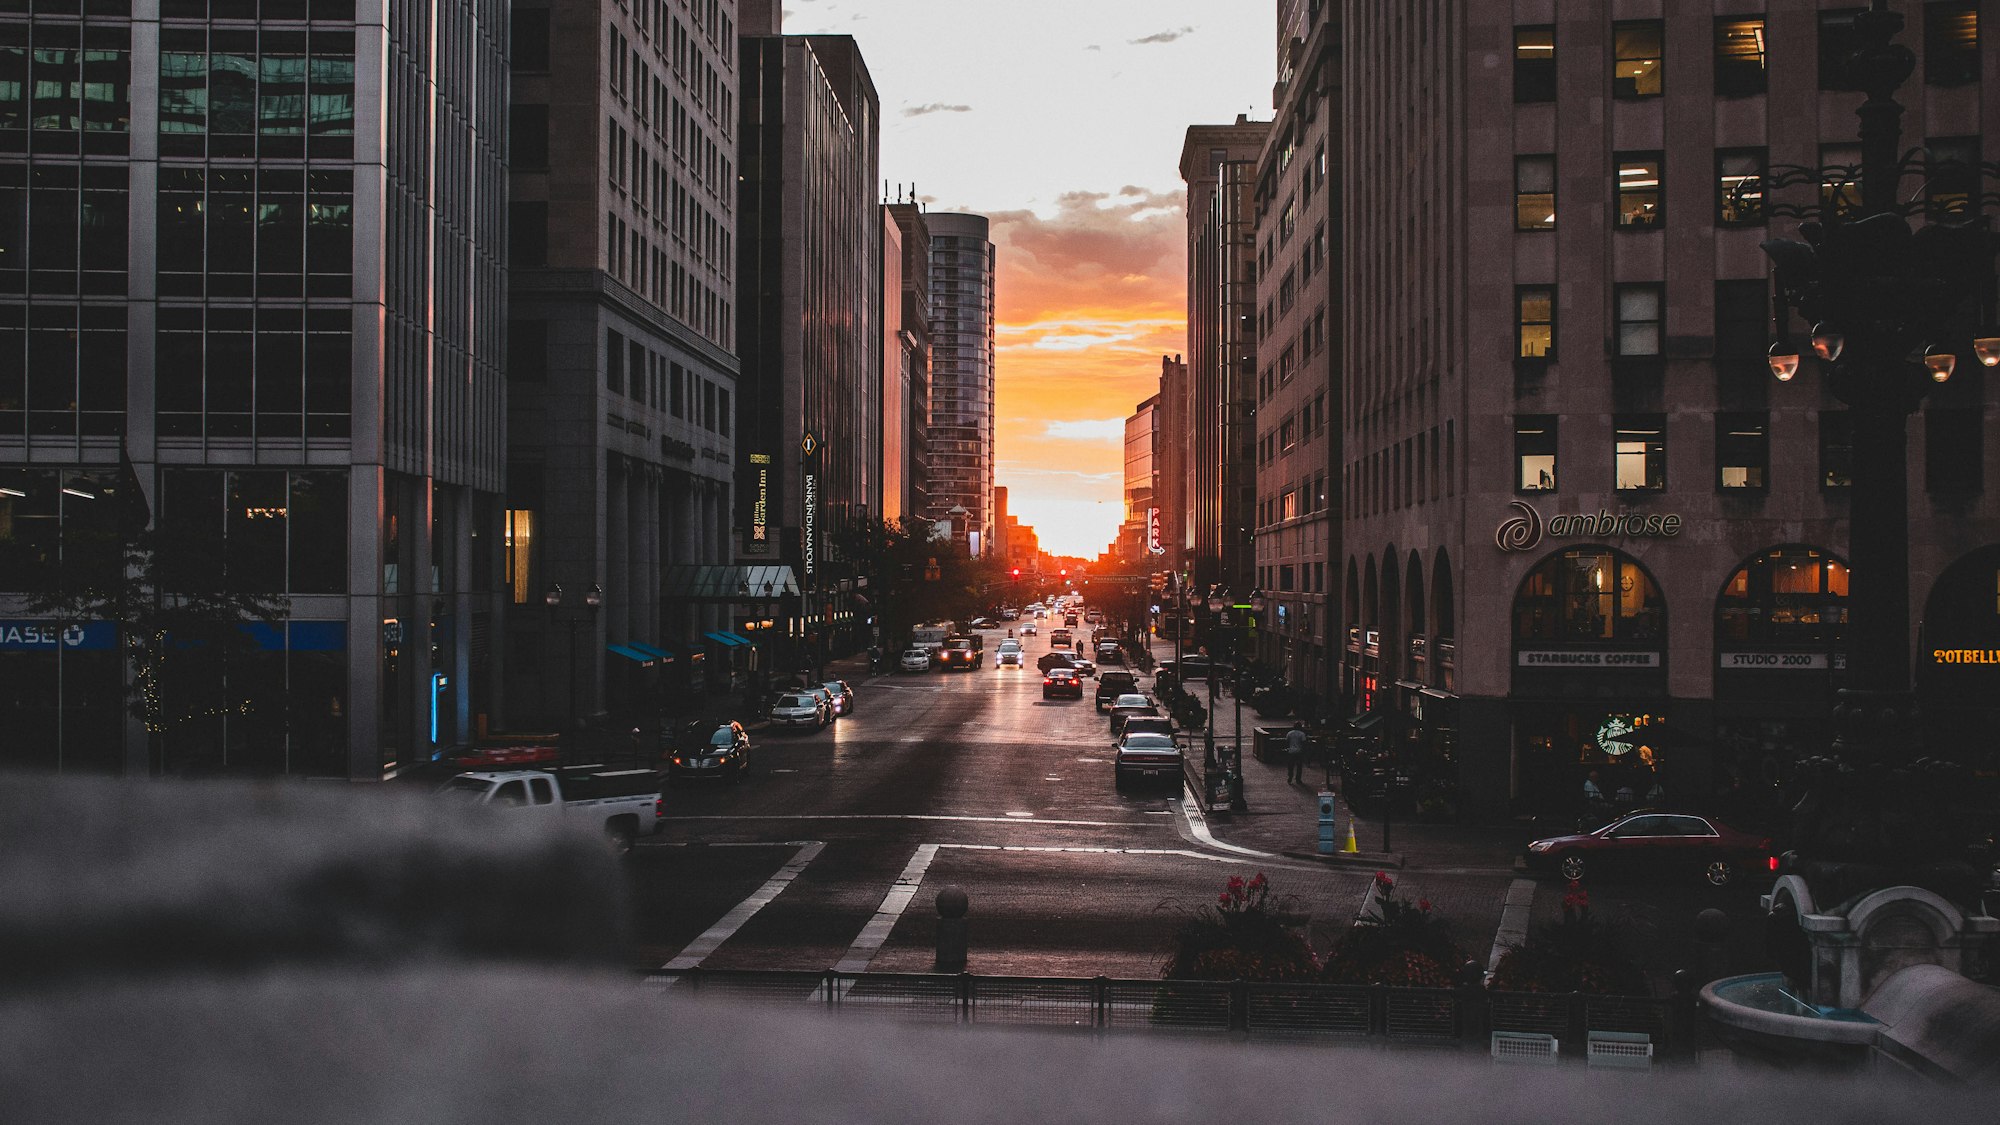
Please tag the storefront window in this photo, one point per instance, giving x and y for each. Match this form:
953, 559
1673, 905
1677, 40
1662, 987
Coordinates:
1790, 595
1588, 595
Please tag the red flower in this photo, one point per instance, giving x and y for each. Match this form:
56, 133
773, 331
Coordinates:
1424, 905
1383, 881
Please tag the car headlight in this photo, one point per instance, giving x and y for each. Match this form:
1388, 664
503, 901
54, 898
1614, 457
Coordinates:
679, 761
1539, 846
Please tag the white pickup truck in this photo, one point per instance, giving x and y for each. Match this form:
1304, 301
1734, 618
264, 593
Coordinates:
627, 803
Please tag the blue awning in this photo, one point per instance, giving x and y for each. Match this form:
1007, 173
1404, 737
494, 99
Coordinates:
654, 651
631, 654
740, 638
727, 640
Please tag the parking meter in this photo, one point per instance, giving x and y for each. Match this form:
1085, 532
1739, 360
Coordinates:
1326, 843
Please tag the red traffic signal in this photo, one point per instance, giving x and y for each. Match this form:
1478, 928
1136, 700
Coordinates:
1017, 574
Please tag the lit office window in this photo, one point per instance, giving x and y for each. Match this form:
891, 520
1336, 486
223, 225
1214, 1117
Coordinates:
1739, 57
1535, 312
1638, 50
1739, 186
1640, 452
1951, 42
1534, 193
1742, 451
1639, 198
1534, 64
1535, 452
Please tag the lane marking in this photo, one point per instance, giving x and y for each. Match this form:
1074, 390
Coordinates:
918, 816
872, 935
1185, 853
1513, 931
1198, 827
699, 949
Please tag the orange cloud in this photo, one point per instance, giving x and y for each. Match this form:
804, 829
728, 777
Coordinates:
1088, 301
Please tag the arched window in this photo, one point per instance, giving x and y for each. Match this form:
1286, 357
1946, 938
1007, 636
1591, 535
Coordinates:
1789, 595
1589, 595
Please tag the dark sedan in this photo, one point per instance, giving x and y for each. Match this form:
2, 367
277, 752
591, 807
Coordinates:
1061, 683
1147, 756
1129, 706
1051, 660
725, 753
1656, 843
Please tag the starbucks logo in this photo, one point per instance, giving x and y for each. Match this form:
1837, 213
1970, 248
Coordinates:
1522, 532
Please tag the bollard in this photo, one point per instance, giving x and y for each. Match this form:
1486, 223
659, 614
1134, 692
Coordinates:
952, 904
1711, 943
1326, 842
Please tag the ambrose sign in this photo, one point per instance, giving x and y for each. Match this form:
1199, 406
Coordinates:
1525, 529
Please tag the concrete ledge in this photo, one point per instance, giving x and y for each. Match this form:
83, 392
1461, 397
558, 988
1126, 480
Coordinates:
1377, 860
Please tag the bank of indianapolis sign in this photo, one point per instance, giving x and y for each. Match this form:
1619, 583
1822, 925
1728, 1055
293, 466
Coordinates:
1525, 529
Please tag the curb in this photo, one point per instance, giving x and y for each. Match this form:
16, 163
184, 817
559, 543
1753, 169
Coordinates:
1355, 859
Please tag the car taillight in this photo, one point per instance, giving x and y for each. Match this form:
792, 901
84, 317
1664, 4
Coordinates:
659, 807
1774, 864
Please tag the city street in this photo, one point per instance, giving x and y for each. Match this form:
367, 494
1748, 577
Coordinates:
832, 851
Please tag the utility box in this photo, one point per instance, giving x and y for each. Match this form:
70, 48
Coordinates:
1326, 843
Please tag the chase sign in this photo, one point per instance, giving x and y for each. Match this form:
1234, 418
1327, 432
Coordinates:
56, 636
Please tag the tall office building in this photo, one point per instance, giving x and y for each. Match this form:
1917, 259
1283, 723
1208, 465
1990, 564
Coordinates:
962, 370
1170, 452
810, 253
261, 256
1219, 165
1576, 501
622, 371
1141, 501
1298, 312
908, 319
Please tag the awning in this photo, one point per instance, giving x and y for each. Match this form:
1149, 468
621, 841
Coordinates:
657, 653
632, 654
727, 584
1365, 722
740, 638
728, 640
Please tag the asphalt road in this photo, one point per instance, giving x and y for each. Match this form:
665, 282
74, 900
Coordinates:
831, 852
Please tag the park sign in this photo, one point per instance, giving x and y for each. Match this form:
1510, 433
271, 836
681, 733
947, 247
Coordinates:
1153, 545
1526, 529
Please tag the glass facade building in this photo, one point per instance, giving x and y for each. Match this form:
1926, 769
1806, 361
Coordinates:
961, 428
255, 247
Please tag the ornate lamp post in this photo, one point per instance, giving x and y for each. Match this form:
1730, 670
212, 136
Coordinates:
1893, 312
593, 598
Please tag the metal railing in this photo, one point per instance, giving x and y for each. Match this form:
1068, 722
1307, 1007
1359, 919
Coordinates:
1254, 1009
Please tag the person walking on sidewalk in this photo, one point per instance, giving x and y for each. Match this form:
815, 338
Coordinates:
1295, 753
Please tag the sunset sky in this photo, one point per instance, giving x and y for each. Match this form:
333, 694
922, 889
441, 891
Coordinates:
1062, 121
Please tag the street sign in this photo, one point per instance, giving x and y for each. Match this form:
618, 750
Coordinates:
809, 444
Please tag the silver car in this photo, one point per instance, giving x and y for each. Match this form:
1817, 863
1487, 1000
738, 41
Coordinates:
825, 698
915, 660
798, 709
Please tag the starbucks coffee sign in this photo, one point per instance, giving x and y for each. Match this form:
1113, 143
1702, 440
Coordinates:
1526, 529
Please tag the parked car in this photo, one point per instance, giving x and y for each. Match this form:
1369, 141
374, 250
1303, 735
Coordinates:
1147, 756
914, 660
825, 698
843, 696
1111, 685
725, 753
1136, 723
798, 709
1127, 706
980, 623
1649, 842
1062, 683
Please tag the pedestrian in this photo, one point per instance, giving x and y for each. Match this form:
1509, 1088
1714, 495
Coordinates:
1295, 754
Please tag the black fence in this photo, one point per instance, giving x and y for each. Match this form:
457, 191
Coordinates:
1464, 1017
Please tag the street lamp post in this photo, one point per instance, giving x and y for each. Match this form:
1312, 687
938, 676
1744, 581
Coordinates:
592, 599
1891, 311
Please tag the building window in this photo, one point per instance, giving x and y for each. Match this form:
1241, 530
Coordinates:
614, 361
1589, 594
520, 551
528, 45
1534, 193
1639, 199
1739, 57
1791, 595
1742, 451
1739, 187
1535, 452
1742, 324
1640, 455
1535, 320
528, 137
1535, 64
528, 351
1837, 43
1951, 183
527, 234
1836, 449
1636, 70
1639, 319
1951, 42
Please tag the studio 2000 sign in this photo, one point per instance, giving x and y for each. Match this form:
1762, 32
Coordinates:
1525, 529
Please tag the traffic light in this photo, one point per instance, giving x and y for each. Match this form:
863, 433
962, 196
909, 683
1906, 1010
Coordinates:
1017, 574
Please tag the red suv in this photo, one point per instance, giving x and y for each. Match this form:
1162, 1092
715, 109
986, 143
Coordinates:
1649, 842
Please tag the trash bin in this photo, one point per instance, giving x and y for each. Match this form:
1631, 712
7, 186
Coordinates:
1267, 744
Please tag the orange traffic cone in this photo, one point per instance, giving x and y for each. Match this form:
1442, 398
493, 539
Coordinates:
1350, 847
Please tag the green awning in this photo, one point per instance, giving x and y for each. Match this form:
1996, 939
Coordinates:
632, 654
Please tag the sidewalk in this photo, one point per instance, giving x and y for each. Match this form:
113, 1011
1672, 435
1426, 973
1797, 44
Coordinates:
1283, 817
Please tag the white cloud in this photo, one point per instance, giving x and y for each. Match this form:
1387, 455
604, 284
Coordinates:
1087, 429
